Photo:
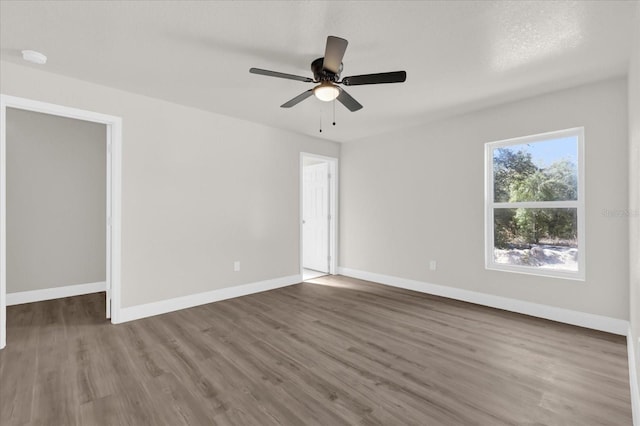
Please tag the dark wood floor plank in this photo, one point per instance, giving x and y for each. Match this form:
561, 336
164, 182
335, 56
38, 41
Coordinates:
240, 347
16, 389
340, 351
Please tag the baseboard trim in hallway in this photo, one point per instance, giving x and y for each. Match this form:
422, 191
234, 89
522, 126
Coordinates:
310, 274
581, 319
162, 307
31, 296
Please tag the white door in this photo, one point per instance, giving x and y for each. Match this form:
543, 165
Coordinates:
315, 217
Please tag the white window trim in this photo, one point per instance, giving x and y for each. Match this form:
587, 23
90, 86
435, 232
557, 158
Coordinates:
490, 205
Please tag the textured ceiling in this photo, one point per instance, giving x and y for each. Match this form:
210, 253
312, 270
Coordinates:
458, 55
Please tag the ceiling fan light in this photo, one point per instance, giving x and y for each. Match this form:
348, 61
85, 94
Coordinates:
326, 91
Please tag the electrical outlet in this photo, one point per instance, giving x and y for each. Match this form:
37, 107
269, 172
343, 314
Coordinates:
236, 266
433, 265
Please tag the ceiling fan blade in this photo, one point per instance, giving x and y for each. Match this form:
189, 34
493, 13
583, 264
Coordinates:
383, 77
280, 75
295, 101
333, 54
348, 101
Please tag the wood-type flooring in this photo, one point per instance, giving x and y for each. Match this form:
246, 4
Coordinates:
338, 351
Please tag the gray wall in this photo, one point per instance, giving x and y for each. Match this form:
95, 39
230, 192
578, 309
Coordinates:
56, 201
634, 189
199, 190
417, 195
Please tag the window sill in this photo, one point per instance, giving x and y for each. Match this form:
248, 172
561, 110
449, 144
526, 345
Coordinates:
546, 273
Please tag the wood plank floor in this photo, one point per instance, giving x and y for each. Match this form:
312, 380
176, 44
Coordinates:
338, 352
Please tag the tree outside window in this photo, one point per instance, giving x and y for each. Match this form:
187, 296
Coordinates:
535, 206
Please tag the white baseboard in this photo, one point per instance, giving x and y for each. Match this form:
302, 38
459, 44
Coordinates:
582, 319
21, 297
162, 307
633, 379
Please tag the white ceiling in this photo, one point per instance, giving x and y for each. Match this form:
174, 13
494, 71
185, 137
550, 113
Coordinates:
458, 55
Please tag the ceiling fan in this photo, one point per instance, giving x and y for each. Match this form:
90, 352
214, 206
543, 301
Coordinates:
326, 72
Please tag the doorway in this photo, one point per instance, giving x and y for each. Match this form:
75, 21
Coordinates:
111, 216
318, 212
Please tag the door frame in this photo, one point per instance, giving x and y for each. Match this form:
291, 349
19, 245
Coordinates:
114, 195
333, 209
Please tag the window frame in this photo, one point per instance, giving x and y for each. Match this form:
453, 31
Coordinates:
579, 205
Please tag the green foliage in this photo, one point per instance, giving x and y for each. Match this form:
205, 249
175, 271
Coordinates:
518, 179
505, 227
508, 167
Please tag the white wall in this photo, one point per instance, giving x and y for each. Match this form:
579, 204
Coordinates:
56, 201
418, 194
200, 190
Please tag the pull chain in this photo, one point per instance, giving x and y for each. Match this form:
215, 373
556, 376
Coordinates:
334, 111
320, 120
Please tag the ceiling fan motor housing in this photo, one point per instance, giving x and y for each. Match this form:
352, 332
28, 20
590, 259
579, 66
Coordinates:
320, 74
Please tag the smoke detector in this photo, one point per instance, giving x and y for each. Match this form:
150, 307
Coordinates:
34, 57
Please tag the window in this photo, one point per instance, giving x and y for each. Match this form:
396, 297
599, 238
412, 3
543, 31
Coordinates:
534, 202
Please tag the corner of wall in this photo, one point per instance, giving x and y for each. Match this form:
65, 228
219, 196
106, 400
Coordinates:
634, 216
